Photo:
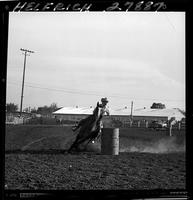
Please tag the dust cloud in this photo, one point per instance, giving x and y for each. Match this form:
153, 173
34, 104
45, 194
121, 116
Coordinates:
164, 145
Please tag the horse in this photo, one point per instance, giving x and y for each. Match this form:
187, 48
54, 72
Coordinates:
89, 128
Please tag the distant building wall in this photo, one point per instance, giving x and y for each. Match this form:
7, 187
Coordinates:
122, 118
14, 117
11, 119
150, 118
118, 120
70, 117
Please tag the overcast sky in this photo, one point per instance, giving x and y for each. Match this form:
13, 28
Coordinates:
81, 57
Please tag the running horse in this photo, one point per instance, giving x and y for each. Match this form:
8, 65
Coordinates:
89, 128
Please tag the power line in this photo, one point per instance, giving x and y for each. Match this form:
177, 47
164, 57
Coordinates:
95, 94
59, 90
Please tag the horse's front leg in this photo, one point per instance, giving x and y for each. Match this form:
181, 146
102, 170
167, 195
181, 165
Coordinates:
74, 145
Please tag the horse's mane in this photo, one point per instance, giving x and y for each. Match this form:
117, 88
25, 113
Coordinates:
92, 118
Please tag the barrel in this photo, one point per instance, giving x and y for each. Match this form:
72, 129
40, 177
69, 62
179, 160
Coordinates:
110, 141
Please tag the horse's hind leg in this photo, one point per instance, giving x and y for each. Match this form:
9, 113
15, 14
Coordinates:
81, 140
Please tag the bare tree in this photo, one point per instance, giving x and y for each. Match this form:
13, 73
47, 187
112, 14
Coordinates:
11, 107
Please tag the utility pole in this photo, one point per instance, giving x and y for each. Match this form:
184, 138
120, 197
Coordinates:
25, 54
132, 110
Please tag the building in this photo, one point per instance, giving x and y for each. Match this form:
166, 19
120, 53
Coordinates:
123, 114
15, 118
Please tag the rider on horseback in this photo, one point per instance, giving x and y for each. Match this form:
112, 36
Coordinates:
90, 127
104, 110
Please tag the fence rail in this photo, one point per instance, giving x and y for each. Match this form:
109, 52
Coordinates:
11, 119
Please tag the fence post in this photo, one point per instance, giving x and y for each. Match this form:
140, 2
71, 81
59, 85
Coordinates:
179, 126
110, 141
170, 130
146, 124
130, 123
138, 124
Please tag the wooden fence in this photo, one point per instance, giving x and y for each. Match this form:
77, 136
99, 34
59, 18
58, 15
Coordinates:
144, 124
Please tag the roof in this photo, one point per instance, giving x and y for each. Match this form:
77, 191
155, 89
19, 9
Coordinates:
170, 112
75, 110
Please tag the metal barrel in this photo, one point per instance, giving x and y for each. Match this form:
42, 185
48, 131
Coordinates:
110, 141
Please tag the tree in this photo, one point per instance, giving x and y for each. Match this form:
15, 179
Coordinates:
45, 110
11, 107
158, 106
34, 110
53, 107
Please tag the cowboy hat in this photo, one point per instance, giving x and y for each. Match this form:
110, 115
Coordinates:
104, 100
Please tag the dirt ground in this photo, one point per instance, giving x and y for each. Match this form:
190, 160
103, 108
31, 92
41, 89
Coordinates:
91, 171
30, 166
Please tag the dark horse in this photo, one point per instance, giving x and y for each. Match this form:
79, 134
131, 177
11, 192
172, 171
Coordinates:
89, 128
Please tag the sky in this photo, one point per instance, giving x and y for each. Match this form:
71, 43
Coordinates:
80, 57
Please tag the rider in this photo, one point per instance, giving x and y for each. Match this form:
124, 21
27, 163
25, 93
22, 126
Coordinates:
103, 106
104, 110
